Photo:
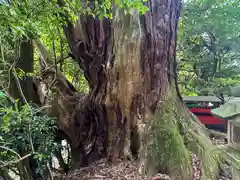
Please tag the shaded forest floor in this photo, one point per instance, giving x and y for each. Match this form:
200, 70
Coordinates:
101, 170
127, 170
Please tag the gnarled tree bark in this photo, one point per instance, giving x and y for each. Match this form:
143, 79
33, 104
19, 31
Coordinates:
133, 108
129, 63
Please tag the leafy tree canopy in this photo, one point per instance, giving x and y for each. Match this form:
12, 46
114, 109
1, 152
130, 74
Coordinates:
208, 50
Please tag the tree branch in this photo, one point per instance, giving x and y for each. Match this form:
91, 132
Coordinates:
16, 161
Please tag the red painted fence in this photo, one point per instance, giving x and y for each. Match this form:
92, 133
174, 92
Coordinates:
205, 116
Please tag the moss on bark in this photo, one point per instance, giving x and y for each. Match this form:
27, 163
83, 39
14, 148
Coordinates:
171, 135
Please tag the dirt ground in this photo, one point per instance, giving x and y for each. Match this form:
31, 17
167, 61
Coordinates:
101, 170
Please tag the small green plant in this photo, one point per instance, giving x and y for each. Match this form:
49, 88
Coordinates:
26, 140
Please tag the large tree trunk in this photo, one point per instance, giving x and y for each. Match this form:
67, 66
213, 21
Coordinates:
133, 108
129, 64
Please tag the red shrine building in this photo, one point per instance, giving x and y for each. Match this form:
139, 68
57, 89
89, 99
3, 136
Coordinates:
201, 106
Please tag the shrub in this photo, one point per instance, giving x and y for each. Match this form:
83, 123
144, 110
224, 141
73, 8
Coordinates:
26, 139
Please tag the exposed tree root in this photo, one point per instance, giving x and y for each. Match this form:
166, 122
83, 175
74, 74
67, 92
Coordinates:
217, 134
173, 135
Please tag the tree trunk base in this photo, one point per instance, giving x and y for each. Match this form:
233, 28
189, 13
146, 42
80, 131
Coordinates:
173, 135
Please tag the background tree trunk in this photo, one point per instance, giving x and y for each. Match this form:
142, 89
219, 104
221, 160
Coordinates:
24, 63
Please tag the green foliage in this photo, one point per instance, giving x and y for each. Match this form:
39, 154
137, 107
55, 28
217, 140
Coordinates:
28, 19
208, 47
75, 76
25, 131
127, 5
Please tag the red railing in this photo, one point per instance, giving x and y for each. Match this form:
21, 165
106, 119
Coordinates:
205, 116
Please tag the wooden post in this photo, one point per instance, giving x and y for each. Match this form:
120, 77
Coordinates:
229, 131
235, 131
